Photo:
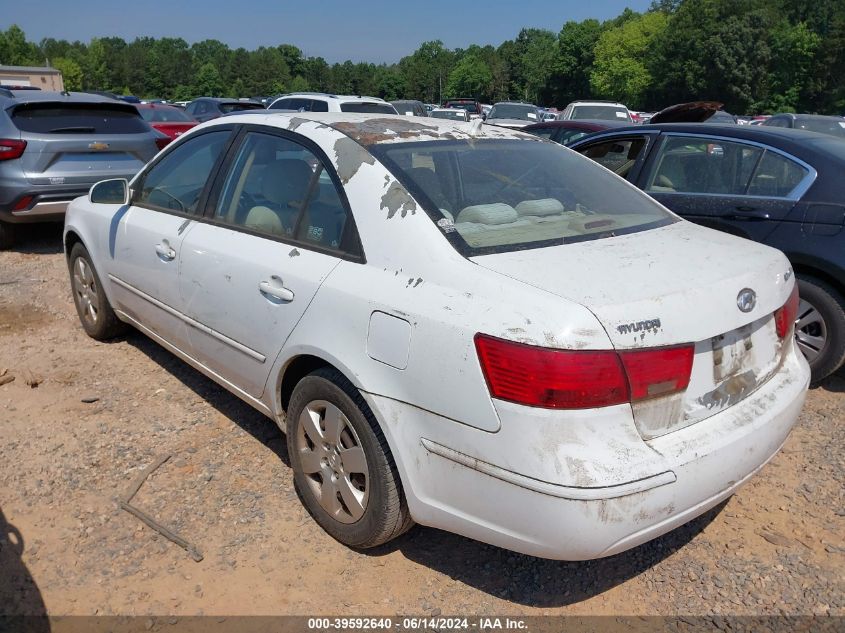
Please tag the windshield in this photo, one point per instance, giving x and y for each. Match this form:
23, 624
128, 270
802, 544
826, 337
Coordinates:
469, 106
368, 107
607, 112
237, 107
833, 125
164, 115
513, 111
490, 196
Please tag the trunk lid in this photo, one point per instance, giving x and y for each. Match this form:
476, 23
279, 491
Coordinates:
679, 284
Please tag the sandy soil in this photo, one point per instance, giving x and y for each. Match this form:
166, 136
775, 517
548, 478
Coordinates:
778, 546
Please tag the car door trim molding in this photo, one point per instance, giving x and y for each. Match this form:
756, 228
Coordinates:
189, 321
794, 196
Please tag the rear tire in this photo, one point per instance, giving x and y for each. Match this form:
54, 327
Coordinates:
7, 235
348, 479
95, 312
820, 326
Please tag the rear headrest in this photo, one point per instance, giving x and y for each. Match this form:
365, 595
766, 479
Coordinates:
285, 181
495, 213
542, 207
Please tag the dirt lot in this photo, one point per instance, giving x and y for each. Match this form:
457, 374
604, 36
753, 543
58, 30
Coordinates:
778, 546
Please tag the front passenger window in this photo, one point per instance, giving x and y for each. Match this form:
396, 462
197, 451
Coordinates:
176, 182
618, 155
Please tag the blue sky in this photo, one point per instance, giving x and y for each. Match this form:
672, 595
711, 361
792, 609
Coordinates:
335, 29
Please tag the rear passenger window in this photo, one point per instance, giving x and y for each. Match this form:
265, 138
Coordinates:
705, 166
78, 118
176, 182
319, 106
776, 176
279, 188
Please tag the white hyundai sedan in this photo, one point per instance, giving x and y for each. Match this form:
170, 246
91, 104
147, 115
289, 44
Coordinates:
456, 325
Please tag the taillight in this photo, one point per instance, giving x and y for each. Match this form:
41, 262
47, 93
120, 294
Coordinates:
785, 315
657, 372
11, 148
162, 141
23, 203
580, 379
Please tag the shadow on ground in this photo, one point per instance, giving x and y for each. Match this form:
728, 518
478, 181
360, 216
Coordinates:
835, 383
19, 593
256, 424
40, 239
523, 579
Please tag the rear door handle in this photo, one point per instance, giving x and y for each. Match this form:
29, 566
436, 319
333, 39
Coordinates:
275, 288
165, 252
750, 213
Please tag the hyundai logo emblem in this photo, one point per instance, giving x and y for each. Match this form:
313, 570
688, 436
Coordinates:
746, 300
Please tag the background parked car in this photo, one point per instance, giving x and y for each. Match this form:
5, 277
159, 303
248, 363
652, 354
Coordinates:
324, 102
410, 108
207, 108
833, 125
566, 132
54, 146
173, 122
470, 105
777, 186
454, 114
596, 110
513, 114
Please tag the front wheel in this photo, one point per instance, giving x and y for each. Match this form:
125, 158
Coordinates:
95, 312
342, 466
820, 326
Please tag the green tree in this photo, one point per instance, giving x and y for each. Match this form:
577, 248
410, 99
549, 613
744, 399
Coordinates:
620, 69
71, 72
15, 50
299, 84
574, 63
470, 77
426, 71
207, 82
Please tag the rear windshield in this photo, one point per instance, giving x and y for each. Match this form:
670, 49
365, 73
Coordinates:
82, 118
490, 196
513, 111
368, 107
833, 126
164, 115
237, 107
600, 112
469, 106
453, 113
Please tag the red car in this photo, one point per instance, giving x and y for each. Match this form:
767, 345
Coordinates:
168, 120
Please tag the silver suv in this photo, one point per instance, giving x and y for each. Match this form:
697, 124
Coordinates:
54, 146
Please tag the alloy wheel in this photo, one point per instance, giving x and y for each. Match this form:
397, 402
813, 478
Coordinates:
85, 290
810, 331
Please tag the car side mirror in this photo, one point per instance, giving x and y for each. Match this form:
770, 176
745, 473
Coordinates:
114, 191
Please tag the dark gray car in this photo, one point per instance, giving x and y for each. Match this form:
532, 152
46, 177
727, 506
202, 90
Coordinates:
54, 146
832, 125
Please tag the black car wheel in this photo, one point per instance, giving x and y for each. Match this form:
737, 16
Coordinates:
820, 326
342, 466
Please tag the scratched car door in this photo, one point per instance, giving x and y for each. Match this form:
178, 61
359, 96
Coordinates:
249, 272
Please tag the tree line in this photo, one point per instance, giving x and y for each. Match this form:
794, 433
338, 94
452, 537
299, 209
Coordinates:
753, 55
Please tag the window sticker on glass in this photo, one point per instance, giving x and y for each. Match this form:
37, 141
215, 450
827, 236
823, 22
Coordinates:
531, 115
841, 123
621, 115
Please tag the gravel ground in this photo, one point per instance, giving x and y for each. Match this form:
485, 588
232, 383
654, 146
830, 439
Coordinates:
776, 547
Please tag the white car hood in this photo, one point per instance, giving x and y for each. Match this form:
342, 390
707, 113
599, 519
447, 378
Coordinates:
676, 284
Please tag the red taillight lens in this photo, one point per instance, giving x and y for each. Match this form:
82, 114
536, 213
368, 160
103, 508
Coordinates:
551, 378
785, 316
580, 379
163, 141
657, 372
23, 203
10, 148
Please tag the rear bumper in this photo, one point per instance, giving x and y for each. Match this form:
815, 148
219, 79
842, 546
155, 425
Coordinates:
44, 206
702, 465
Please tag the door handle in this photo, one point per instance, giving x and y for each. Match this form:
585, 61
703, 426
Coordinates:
275, 289
165, 252
750, 213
